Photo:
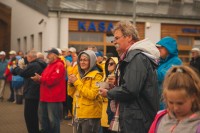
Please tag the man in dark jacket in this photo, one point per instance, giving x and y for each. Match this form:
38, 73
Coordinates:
195, 62
136, 90
31, 90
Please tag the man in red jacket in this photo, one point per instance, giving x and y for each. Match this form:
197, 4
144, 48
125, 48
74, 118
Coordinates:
52, 92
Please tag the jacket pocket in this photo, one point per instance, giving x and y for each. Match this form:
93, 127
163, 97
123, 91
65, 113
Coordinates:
86, 102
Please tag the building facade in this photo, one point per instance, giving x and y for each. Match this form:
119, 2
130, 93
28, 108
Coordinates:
41, 24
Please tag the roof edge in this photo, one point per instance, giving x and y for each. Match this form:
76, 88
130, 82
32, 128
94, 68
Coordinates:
38, 6
123, 13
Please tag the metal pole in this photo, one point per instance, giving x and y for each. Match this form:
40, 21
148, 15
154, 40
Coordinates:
134, 11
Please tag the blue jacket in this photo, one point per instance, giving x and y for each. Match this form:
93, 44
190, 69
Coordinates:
171, 60
3, 64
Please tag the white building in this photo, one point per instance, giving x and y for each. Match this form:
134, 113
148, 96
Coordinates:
41, 24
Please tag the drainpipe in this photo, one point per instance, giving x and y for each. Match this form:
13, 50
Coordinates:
134, 11
59, 28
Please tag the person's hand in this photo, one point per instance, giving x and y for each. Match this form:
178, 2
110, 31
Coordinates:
72, 78
111, 81
21, 63
68, 63
113, 106
14, 66
36, 77
103, 92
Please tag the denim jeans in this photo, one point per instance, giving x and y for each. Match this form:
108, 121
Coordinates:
50, 115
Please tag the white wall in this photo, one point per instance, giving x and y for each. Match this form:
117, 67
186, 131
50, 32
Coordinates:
153, 31
64, 32
24, 23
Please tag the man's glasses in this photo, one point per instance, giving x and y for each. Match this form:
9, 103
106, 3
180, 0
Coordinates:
111, 64
116, 38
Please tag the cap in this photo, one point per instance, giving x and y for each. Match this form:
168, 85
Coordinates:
195, 49
12, 52
64, 49
158, 45
2, 53
53, 50
72, 49
59, 50
98, 54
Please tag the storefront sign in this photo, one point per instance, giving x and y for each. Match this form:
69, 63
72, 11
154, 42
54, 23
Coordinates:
190, 30
101, 27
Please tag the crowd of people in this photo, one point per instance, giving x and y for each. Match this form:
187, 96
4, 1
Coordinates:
145, 89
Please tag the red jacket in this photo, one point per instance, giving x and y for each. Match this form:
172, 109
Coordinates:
52, 83
8, 73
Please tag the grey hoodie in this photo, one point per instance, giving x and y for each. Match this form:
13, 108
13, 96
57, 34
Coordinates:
169, 124
92, 58
148, 48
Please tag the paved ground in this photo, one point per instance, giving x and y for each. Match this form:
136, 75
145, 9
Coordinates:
12, 119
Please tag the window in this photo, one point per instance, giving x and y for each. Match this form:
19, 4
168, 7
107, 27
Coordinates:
19, 44
25, 44
32, 41
40, 41
184, 40
85, 37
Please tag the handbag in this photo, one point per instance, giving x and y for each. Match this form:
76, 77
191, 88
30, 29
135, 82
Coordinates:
114, 124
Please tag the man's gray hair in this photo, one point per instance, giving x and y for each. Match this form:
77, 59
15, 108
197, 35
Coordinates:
127, 29
33, 53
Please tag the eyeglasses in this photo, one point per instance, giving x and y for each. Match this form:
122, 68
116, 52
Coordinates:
116, 38
84, 60
111, 64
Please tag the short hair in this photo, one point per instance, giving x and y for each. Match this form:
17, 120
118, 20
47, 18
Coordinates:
183, 78
40, 55
127, 28
33, 53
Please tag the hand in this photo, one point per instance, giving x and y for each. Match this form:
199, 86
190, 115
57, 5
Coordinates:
72, 78
68, 63
14, 66
21, 63
111, 81
36, 77
103, 92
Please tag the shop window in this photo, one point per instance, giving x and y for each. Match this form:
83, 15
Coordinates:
196, 42
85, 37
184, 52
81, 47
109, 38
184, 40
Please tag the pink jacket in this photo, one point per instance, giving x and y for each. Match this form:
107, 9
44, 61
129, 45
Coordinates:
155, 122
52, 83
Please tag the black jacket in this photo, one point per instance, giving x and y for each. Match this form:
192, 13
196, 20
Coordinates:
195, 63
31, 88
137, 93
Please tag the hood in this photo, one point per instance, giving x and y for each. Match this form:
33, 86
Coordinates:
170, 44
115, 59
148, 48
93, 60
